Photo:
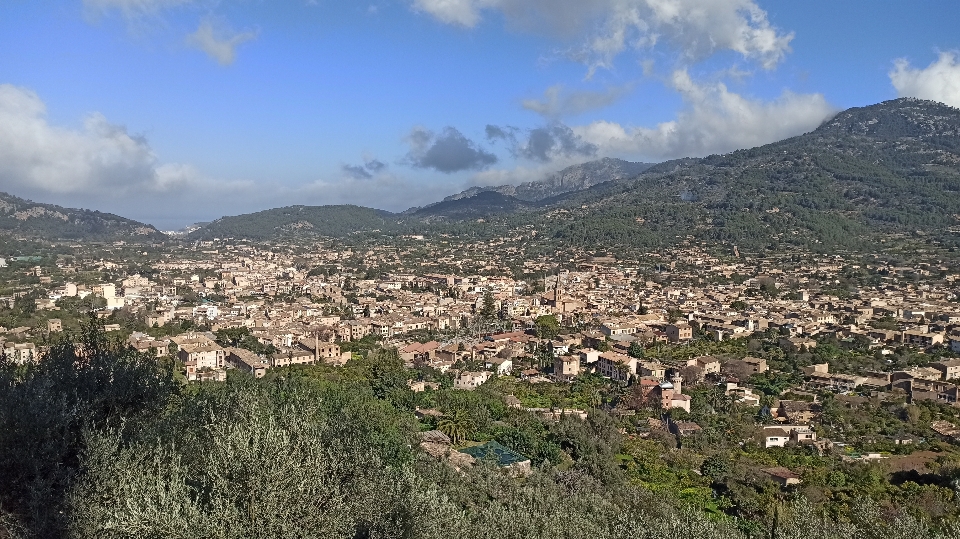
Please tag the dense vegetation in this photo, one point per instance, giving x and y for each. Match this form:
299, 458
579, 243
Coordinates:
98, 441
330, 221
34, 220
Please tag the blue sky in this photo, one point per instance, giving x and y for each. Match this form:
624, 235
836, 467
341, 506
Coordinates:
177, 111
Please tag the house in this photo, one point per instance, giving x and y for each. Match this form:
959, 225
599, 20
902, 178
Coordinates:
743, 395
292, 357
653, 369
955, 345
54, 325
679, 332
922, 338
499, 365
798, 411
201, 350
744, 368
684, 428
326, 352
419, 352
707, 364
783, 476
470, 380
21, 352
247, 361
566, 367
617, 366
950, 368
779, 435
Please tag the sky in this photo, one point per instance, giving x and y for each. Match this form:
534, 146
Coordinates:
173, 112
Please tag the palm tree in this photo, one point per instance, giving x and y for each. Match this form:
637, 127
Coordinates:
457, 426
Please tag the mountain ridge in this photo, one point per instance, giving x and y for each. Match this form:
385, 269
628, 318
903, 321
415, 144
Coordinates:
36, 220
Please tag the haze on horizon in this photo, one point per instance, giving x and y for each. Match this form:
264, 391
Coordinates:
178, 111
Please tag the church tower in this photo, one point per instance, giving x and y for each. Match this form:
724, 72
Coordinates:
676, 381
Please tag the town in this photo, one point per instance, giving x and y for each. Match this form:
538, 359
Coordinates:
226, 306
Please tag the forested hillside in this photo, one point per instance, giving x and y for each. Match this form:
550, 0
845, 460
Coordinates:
571, 179
29, 219
330, 221
892, 168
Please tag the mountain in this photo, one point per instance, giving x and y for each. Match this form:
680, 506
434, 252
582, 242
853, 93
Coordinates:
890, 168
479, 205
20, 217
864, 175
333, 221
573, 178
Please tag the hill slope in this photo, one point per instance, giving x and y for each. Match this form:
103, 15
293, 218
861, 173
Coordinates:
570, 179
333, 221
891, 168
29, 219
481, 204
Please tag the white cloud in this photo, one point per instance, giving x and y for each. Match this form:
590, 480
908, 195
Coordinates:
459, 12
219, 43
940, 81
557, 103
34, 154
102, 166
695, 28
713, 120
132, 8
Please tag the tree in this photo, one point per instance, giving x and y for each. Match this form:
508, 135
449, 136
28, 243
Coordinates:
715, 467
635, 350
85, 382
458, 426
547, 326
489, 308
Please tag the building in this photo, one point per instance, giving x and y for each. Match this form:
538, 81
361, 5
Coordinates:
566, 367
783, 476
54, 325
247, 361
617, 366
950, 368
780, 435
470, 380
200, 350
679, 332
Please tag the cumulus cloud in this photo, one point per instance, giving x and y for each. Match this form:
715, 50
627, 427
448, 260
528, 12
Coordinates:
495, 132
37, 156
100, 165
557, 103
364, 171
448, 152
940, 81
356, 172
546, 144
713, 120
695, 28
219, 43
374, 165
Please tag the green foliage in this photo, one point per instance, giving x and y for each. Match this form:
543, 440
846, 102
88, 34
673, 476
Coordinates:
47, 407
547, 326
458, 426
56, 222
